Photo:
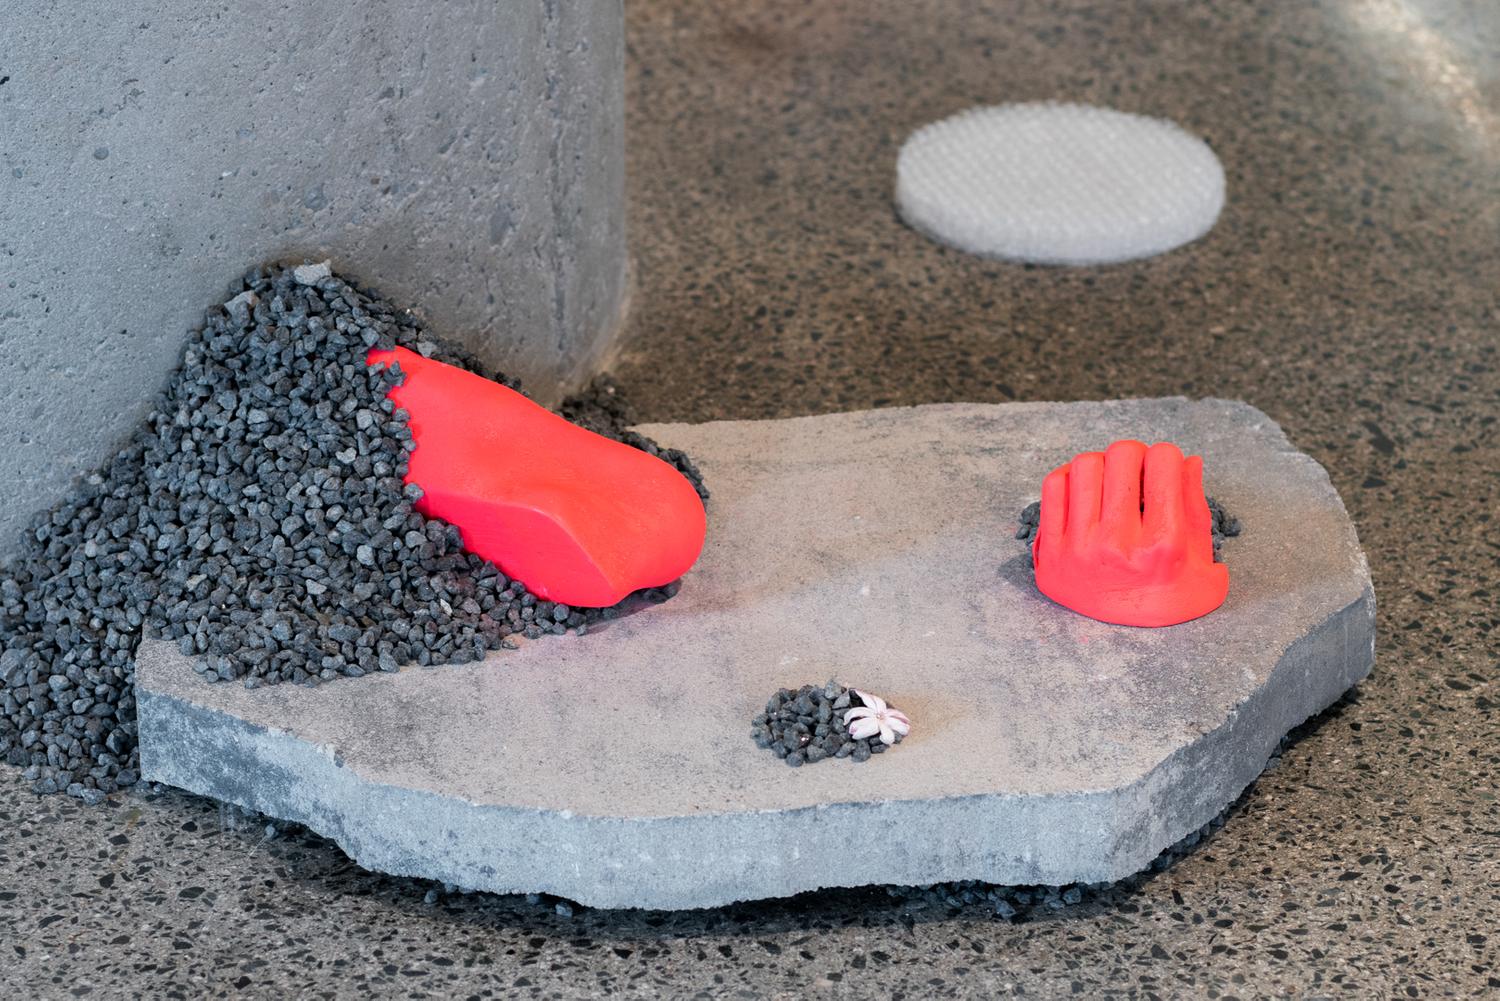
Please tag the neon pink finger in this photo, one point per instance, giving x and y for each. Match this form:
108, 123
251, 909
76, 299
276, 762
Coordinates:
1085, 485
1162, 491
1121, 504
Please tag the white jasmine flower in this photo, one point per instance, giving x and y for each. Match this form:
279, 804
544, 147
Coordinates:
876, 717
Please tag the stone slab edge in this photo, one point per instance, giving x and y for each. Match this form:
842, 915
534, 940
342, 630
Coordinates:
714, 859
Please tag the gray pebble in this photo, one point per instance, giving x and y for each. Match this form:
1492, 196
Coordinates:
311, 274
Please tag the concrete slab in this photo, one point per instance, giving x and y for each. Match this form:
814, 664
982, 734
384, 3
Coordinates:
616, 768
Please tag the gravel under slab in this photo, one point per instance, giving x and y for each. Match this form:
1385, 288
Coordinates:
259, 521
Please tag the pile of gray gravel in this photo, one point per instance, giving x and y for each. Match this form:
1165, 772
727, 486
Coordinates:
807, 726
257, 518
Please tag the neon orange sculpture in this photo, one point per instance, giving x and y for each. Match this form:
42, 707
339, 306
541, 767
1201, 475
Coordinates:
578, 518
1126, 537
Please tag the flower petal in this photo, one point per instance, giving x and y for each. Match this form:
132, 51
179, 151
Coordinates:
899, 723
887, 735
858, 712
867, 726
875, 702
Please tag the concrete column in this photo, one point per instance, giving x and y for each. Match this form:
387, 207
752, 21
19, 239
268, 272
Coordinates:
465, 157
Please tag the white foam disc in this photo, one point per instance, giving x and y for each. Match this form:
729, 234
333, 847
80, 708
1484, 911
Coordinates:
1058, 183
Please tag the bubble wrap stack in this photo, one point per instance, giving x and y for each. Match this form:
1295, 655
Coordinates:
1058, 184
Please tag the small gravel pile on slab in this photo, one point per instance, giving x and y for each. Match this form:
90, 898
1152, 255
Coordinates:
807, 726
258, 517
1224, 526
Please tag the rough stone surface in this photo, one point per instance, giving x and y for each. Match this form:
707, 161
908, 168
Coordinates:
466, 156
878, 547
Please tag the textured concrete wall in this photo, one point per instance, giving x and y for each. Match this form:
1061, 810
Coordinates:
464, 156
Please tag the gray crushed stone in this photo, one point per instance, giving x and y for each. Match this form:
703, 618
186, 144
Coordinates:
258, 518
807, 726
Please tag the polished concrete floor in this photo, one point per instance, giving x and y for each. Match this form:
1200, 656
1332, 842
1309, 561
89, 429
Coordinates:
1351, 290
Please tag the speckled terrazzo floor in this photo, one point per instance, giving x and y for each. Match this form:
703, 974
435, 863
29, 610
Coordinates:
1350, 290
